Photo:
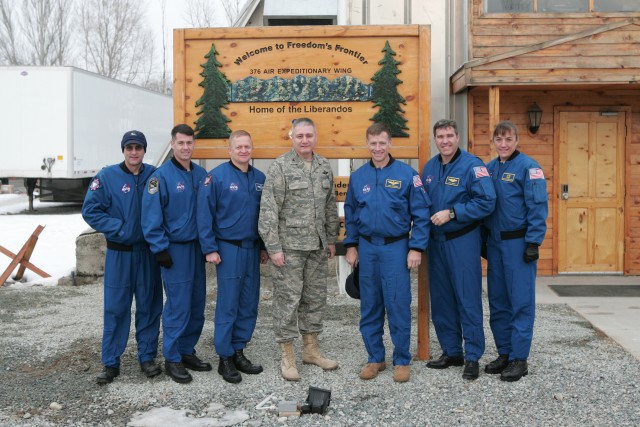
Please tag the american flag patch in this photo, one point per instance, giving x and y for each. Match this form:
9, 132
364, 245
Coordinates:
417, 182
480, 172
536, 173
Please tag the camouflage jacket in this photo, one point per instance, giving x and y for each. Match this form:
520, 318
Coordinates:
298, 209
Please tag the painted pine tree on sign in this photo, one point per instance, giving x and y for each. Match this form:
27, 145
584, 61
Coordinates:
212, 123
386, 96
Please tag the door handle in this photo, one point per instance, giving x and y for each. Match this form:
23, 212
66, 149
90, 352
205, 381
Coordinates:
565, 191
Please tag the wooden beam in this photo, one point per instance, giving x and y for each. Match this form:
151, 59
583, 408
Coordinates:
494, 114
179, 95
424, 302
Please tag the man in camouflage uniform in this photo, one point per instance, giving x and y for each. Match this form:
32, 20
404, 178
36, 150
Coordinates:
299, 224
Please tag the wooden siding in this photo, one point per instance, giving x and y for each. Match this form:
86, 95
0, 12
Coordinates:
513, 106
550, 49
491, 34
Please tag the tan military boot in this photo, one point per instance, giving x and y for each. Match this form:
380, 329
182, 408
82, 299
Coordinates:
401, 373
370, 370
311, 354
288, 364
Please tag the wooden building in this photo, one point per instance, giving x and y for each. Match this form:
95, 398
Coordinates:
579, 61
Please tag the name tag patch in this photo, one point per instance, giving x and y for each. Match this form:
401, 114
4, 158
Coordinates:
393, 183
452, 181
508, 177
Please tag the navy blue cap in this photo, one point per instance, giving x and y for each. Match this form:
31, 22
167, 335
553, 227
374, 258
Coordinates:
352, 285
133, 137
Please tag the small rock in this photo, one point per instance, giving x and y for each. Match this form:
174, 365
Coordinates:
559, 396
213, 408
55, 406
26, 416
109, 411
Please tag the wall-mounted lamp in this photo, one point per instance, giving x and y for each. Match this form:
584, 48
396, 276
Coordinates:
535, 116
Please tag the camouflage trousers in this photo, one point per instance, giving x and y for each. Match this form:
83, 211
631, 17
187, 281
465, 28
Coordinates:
299, 293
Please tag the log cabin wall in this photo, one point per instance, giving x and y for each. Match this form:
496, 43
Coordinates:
496, 33
563, 62
513, 106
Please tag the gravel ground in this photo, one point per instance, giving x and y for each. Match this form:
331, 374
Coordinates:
50, 355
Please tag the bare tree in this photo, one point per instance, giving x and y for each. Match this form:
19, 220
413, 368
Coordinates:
35, 32
163, 80
117, 41
9, 45
45, 25
200, 14
232, 10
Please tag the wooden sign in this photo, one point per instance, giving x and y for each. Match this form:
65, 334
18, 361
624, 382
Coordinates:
344, 78
342, 231
341, 184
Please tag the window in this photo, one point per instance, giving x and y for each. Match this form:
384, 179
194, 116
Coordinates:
616, 6
509, 6
566, 6
561, 6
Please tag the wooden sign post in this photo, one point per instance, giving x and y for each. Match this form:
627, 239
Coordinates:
344, 78
22, 258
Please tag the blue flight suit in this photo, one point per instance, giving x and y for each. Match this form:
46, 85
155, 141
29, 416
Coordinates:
169, 211
112, 207
455, 272
228, 208
519, 218
384, 205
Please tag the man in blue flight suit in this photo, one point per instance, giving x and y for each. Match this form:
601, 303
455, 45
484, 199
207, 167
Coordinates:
515, 230
170, 228
112, 207
387, 229
462, 195
228, 208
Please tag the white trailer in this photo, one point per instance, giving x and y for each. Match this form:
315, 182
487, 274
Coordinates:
61, 125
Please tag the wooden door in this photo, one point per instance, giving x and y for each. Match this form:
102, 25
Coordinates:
591, 210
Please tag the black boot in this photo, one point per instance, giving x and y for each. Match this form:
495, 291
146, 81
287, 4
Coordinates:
445, 361
244, 365
228, 370
515, 370
193, 362
177, 371
471, 370
496, 366
150, 368
107, 375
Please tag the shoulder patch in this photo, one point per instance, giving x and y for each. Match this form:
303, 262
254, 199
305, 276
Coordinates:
536, 173
480, 172
152, 187
417, 182
95, 184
